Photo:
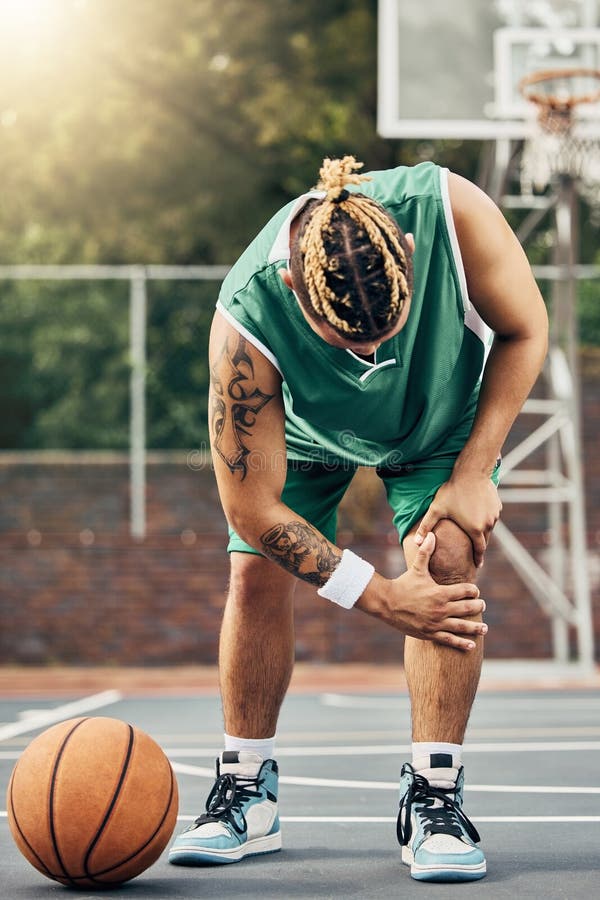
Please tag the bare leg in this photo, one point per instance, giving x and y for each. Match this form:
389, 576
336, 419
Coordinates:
256, 650
443, 682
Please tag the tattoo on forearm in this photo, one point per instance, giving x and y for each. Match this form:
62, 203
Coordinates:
235, 401
301, 550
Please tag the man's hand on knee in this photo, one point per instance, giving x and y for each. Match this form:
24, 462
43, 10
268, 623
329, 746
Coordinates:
470, 503
419, 606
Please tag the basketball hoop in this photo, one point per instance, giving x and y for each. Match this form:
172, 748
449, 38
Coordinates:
557, 146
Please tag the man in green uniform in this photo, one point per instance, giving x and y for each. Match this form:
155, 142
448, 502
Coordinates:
353, 331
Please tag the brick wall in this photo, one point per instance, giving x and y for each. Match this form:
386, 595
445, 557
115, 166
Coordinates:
76, 589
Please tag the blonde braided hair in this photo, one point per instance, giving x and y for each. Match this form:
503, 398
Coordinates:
343, 231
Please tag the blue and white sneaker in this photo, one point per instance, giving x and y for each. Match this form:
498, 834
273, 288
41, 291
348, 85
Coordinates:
241, 814
438, 840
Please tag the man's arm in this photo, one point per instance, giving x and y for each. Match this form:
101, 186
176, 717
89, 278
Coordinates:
502, 289
246, 420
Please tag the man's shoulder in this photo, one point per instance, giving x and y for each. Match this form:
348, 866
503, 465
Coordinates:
255, 268
249, 280
403, 184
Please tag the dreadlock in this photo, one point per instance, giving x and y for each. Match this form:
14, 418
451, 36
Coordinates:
350, 262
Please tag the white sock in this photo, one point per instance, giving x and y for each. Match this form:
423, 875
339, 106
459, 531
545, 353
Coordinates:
423, 750
264, 747
438, 762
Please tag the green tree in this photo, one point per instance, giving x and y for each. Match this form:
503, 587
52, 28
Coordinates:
161, 132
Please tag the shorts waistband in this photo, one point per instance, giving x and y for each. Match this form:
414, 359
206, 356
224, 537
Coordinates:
397, 470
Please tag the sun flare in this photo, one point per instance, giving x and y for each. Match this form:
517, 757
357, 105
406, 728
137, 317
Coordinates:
35, 19
26, 13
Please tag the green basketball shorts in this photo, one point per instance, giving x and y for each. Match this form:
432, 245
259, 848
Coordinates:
314, 491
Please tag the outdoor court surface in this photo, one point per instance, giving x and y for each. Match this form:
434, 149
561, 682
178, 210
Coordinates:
532, 761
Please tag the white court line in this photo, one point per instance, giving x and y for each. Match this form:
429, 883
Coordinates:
531, 732
59, 713
182, 769
356, 701
391, 820
291, 738
349, 701
200, 772
470, 788
369, 750
400, 749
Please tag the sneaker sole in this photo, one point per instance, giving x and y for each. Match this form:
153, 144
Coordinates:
442, 873
198, 856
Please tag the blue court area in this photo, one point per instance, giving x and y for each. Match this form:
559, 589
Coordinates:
532, 790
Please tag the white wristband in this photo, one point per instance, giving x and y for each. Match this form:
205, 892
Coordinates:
348, 581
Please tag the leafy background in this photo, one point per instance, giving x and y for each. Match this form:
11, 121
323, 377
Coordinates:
168, 132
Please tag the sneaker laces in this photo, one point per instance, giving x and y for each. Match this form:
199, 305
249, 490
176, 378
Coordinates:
226, 798
442, 814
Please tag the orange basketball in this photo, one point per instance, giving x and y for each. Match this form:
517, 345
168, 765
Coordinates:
92, 802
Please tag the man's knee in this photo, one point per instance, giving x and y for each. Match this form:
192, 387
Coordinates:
256, 580
452, 560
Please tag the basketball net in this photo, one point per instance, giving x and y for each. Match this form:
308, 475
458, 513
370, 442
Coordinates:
556, 147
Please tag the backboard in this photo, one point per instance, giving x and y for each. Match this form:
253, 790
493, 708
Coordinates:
450, 68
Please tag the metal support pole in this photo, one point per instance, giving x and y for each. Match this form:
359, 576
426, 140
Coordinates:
137, 422
556, 550
563, 591
565, 325
496, 182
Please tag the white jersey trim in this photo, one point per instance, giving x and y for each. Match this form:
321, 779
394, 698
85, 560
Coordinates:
473, 320
462, 278
376, 367
281, 245
370, 367
249, 336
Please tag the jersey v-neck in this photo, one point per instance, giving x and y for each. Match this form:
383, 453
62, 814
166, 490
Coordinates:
374, 365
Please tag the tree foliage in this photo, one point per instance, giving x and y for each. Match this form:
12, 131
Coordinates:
160, 132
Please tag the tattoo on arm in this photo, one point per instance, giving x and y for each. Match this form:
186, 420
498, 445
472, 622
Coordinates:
301, 550
235, 402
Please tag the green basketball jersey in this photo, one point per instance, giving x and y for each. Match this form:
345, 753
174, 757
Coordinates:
417, 399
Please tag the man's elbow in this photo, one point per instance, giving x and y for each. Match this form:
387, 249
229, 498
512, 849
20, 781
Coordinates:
250, 522
242, 524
